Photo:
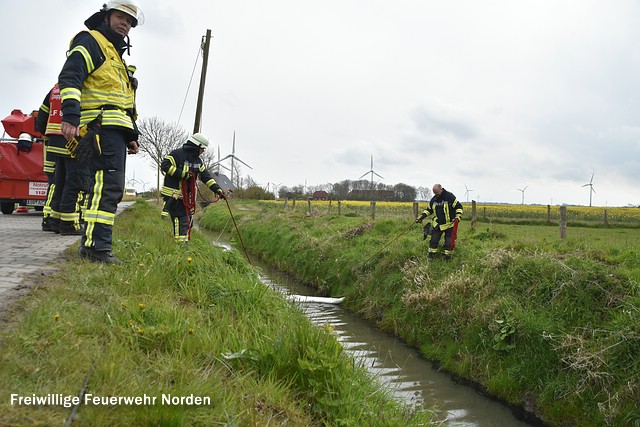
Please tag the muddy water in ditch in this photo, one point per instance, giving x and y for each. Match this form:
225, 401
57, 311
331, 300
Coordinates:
397, 367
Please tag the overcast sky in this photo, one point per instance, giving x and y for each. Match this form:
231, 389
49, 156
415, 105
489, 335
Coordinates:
487, 96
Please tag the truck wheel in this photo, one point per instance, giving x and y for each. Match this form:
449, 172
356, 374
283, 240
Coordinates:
7, 207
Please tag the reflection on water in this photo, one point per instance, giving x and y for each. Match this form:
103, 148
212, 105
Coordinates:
397, 367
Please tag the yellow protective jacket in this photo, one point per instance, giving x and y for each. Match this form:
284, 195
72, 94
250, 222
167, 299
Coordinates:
95, 78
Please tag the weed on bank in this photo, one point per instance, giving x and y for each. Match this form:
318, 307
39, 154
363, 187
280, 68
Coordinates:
179, 335
547, 324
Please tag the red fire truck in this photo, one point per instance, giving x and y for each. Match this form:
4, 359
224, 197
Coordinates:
22, 180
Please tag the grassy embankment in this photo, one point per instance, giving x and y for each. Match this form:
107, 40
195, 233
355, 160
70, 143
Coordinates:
550, 325
182, 321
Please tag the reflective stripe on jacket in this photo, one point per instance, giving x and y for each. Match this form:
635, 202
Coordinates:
446, 207
108, 86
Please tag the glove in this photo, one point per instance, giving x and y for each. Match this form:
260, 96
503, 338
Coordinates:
420, 218
218, 190
88, 146
426, 231
458, 218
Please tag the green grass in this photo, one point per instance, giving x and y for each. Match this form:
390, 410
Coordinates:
178, 320
539, 321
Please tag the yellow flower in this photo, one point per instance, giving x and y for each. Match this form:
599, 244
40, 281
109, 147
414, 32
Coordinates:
140, 265
140, 331
131, 322
189, 259
56, 317
142, 306
190, 331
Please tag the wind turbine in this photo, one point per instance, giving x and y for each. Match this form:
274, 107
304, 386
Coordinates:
371, 172
233, 157
218, 165
466, 193
591, 190
522, 191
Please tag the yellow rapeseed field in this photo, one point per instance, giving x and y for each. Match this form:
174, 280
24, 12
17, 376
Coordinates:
599, 214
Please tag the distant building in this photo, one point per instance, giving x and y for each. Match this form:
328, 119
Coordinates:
320, 195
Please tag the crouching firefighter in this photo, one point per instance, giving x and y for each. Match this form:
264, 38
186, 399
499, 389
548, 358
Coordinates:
182, 167
447, 212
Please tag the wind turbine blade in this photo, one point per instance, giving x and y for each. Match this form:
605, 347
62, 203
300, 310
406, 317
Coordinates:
363, 175
243, 163
591, 180
377, 175
225, 158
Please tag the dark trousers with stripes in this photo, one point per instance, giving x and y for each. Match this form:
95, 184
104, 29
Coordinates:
180, 218
106, 188
71, 178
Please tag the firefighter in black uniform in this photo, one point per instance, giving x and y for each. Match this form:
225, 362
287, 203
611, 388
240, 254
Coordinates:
182, 167
94, 81
70, 176
448, 212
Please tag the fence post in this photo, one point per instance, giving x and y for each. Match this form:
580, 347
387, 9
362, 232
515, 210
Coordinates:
372, 209
548, 214
563, 222
286, 202
415, 209
293, 203
473, 214
606, 218
309, 203
484, 213
339, 207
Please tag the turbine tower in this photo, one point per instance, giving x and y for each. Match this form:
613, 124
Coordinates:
522, 191
591, 190
371, 172
233, 157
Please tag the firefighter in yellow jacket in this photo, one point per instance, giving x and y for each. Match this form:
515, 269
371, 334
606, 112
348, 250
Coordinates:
94, 82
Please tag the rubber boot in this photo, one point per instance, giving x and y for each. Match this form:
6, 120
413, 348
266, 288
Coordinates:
53, 224
70, 228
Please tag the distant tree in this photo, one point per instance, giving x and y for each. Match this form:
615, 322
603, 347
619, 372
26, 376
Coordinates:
424, 193
282, 191
341, 189
209, 158
255, 193
404, 193
158, 138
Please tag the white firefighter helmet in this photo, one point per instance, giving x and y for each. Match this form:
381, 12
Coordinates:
25, 137
130, 7
25, 141
199, 139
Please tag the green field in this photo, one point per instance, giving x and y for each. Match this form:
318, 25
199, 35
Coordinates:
547, 323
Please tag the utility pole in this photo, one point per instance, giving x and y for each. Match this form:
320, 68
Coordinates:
203, 76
